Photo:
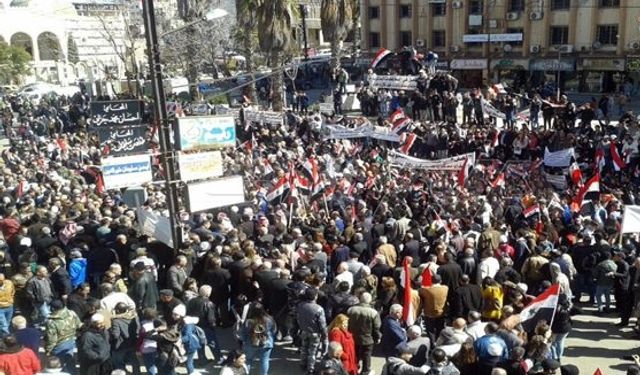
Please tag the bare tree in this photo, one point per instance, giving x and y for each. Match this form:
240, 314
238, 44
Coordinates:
123, 32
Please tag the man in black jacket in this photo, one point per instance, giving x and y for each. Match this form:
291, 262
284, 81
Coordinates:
94, 352
202, 308
467, 297
60, 280
624, 302
143, 291
123, 336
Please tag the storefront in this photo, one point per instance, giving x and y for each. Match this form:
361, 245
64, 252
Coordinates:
544, 72
512, 72
468, 71
601, 75
632, 69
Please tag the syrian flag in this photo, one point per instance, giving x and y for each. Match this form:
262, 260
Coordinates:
381, 55
303, 184
600, 162
590, 190
397, 115
400, 124
268, 169
575, 173
311, 168
408, 308
495, 142
498, 182
408, 143
318, 188
463, 173
542, 307
278, 189
618, 163
427, 280
528, 212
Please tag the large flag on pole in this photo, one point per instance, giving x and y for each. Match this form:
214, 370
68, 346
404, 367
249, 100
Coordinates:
590, 190
618, 162
408, 308
541, 308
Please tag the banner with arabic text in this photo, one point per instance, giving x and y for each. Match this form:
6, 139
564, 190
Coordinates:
454, 163
124, 140
363, 131
204, 132
126, 171
200, 166
116, 113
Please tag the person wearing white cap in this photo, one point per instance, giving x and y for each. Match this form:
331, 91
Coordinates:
94, 352
193, 338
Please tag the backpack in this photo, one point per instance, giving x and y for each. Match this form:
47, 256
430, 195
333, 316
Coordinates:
258, 335
200, 335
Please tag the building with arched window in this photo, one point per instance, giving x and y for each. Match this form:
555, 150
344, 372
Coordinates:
66, 43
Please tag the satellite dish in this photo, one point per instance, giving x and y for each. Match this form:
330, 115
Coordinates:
507, 48
596, 45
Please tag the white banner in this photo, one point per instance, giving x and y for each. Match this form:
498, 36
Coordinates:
265, 117
407, 83
200, 165
400, 160
215, 193
363, 131
631, 219
483, 38
155, 225
560, 158
126, 171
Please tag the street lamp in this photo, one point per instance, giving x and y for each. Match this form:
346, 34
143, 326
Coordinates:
164, 128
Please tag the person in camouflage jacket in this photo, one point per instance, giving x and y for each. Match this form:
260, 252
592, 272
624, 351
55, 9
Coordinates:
60, 335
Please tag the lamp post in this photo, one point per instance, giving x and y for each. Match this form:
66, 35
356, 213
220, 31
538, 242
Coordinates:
164, 128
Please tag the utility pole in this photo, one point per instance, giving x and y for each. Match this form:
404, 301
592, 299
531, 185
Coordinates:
167, 155
303, 13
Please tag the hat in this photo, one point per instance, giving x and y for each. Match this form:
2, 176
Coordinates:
26, 241
166, 292
97, 318
180, 310
75, 253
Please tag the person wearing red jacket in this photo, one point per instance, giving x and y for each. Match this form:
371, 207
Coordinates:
16, 359
338, 332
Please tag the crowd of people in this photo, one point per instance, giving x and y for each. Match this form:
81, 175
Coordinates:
322, 265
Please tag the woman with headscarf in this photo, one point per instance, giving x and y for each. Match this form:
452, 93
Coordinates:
339, 332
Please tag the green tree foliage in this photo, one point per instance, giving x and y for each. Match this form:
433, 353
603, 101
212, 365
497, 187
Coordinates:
14, 63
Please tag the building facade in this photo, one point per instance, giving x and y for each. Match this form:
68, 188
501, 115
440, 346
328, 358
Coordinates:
588, 45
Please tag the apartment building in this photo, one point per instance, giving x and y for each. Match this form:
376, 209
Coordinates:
593, 45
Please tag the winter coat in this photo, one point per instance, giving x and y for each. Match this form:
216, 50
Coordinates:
123, 331
61, 326
392, 335
22, 362
349, 359
39, 291
94, 353
144, 292
60, 282
203, 309
364, 324
77, 271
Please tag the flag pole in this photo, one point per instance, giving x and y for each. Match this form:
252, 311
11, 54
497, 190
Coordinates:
554, 308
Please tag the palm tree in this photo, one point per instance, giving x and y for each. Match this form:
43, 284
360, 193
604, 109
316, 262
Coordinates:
335, 19
245, 35
276, 19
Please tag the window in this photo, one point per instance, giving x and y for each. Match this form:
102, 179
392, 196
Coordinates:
438, 38
374, 40
405, 11
607, 34
515, 31
516, 5
475, 7
374, 13
559, 35
439, 9
406, 39
560, 4
609, 3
